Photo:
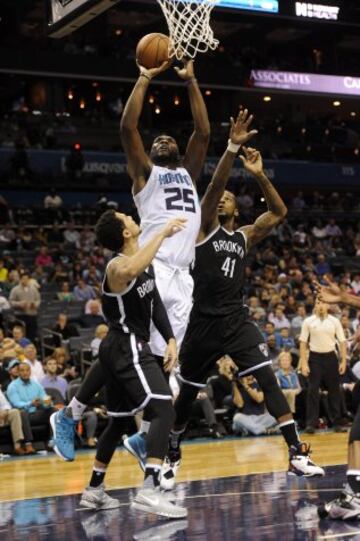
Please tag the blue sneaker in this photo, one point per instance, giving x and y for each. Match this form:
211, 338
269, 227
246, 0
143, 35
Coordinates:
63, 428
136, 445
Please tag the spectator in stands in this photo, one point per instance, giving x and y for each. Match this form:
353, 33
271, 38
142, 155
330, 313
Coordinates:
94, 318
65, 294
26, 393
322, 267
3, 271
100, 333
298, 203
43, 259
279, 319
19, 425
64, 367
4, 305
83, 292
53, 200
19, 337
66, 329
319, 230
87, 242
71, 235
272, 347
25, 299
7, 237
332, 229
355, 284
320, 334
39, 277
59, 274
288, 379
37, 370
92, 276
286, 341
51, 380
12, 372
253, 418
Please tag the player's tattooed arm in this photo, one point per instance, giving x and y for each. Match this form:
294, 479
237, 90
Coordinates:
197, 146
277, 210
138, 163
240, 133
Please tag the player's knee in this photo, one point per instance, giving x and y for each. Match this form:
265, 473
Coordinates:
163, 410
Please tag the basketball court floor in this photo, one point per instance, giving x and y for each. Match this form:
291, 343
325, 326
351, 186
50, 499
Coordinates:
233, 489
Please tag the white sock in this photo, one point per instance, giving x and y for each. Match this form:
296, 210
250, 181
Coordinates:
77, 409
144, 427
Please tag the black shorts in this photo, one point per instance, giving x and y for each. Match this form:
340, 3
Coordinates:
208, 338
132, 375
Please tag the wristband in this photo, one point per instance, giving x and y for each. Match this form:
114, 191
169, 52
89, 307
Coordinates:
146, 76
232, 147
189, 81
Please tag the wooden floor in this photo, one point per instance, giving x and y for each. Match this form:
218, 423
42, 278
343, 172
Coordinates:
23, 479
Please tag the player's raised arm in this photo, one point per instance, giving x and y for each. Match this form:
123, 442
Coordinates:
277, 210
125, 269
138, 162
199, 141
332, 294
240, 133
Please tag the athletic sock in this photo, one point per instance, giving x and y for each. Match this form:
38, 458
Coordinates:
152, 475
175, 439
290, 434
97, 477
353, 478
75, 409
144, 427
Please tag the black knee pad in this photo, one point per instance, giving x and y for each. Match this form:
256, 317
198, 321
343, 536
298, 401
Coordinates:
275, 400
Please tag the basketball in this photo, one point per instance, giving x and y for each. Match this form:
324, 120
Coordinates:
152, 50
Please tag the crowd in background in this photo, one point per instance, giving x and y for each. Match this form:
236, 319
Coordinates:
59, 268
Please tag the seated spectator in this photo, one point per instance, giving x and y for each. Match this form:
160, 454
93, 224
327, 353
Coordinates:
322, 266
71, 235
270, 330
53, 200
272, 348
65, 294
288, 379
51, 380
279, 319
37, 371
66, 329
355, 284
43, 259
83, 292
19, 426
286, 341
27, 394
87, 309
11, 372
3, 271
92, 275
18, 333
256, 308
64, 367
4, 305
253, 418
94, 318
100, 333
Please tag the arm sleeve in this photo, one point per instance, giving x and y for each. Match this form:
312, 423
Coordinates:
160, 318
305, 332
340, 335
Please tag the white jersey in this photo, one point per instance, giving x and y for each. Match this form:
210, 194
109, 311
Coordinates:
170, 193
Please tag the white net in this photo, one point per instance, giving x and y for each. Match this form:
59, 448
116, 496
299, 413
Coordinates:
189, 27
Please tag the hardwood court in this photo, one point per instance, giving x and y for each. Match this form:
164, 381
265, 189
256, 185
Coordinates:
23, 479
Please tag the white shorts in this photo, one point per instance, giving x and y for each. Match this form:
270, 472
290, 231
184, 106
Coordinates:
175, 288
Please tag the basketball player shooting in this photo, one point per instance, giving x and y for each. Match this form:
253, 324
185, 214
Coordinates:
163, 188
219, 322
347, 505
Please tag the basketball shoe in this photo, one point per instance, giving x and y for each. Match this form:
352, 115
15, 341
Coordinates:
97, 499
136, 445
345, 507
300, 463
63, 428
152, 500
169, 469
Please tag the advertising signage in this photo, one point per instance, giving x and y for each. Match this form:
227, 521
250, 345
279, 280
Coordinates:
306, 82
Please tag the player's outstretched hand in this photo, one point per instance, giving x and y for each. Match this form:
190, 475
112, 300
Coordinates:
240, 132
187, 71
152, 72
252, 161
174, 226
330, 293
171, 356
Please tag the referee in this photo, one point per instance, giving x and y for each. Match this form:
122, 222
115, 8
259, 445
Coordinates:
322, 332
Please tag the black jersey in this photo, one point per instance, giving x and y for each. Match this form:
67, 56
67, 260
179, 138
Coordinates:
218, 273
131, 311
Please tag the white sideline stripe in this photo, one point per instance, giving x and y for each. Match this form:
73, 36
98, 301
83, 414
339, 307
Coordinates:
339, 535
235, 494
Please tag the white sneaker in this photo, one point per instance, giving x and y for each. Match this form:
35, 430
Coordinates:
345, 507
97, 499
300, 463
161, 532
168, 474
152, 500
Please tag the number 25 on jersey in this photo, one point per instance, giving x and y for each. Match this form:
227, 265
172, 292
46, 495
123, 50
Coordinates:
229, 267
180, 199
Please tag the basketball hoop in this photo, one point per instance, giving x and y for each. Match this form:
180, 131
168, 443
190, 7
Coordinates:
189, 27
